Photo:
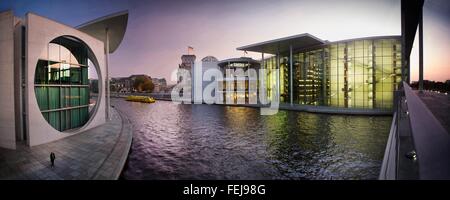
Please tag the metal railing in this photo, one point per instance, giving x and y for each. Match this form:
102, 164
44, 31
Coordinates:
389, 165
430, 141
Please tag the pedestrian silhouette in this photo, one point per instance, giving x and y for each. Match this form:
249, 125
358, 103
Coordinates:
52, 158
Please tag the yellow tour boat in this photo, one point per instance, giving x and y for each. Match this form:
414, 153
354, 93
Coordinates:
142, 99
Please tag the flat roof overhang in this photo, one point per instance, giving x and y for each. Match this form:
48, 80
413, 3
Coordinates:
282, 45
222, 63
115, 23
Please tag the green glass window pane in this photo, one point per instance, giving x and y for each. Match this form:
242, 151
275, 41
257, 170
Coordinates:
84, 94
84, 76
45, 116
74, 97
54, 97
53, 74
75, 118
42, 97
75, 75
66, 66
41, 72
63, 120
84, 112
61, 97
54, 120
65, 74
67, 96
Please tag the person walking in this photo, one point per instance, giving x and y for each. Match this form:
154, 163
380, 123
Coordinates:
52, 159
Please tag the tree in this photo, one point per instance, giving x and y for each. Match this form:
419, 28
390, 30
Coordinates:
143, 83
148, 86
112, 88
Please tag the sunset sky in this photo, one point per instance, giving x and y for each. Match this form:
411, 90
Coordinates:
159, 31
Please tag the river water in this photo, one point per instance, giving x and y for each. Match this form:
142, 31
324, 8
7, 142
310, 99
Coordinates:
223, 142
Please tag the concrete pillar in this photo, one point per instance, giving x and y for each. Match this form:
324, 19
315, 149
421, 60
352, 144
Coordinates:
291, 100
278, 75
107, 95
421, 50
7, 117
263, 77
403, 32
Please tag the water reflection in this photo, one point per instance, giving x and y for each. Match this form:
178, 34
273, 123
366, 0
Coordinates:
218, 142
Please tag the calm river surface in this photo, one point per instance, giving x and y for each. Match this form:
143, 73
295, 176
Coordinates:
222, 142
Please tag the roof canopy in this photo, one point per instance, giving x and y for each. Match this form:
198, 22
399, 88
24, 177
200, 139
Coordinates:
115, 23
247, 60
282, 45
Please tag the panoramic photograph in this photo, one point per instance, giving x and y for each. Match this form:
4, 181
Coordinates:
225, 90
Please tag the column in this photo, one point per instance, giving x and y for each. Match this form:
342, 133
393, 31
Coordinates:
421, 50
265, 82
277, 75
290, 76
107, 95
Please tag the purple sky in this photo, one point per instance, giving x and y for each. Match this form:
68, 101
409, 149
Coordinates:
159, 31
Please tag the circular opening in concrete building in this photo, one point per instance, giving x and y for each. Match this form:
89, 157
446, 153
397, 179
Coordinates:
66, 83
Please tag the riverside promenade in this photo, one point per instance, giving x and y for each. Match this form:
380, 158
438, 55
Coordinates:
99, 153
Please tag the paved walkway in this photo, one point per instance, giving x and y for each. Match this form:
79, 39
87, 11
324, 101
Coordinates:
439, 105
99, 153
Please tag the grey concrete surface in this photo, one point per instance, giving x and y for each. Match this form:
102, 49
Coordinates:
439, 105
99, 153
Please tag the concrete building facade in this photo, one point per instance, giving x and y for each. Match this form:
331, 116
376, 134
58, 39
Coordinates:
44, 85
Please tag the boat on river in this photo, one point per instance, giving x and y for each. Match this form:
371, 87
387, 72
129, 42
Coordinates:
142, 99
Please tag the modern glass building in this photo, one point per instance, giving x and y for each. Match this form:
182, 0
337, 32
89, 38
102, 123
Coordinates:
238, 86
357, 73
62, 85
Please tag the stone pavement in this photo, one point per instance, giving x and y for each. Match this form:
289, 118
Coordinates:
439, 105
99, 153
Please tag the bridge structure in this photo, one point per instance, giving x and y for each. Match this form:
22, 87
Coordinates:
418, 146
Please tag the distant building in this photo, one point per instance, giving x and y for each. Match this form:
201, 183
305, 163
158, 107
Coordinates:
187, 63
231, 89
209, 62
126, 84
121, 84
160, 85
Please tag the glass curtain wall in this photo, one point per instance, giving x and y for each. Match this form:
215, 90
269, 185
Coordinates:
238, 85
62, 85
271, 77
352, 74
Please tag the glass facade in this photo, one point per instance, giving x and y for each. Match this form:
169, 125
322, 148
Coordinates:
239, 86
62, 85
360, 73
